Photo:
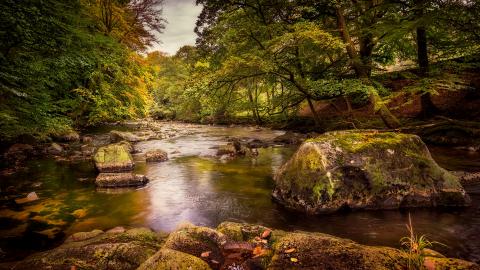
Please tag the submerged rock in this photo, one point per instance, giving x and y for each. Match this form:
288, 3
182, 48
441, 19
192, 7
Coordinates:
114, 158
18, 151
32, 196
156, 156
54, 149
108, 180
117, 136
97, 250
365, 170
290, 138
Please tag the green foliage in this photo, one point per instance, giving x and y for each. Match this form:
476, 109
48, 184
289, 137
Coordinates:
415, 247
57, 72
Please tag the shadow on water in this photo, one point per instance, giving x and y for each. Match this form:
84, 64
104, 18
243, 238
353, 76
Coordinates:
197, 187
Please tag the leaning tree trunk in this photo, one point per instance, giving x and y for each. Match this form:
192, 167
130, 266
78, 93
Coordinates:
362, 71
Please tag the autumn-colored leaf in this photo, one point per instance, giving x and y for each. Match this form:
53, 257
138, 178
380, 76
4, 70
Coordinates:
294, 260
205, 254
258, 251
429, 264
290, 250
73, 267
266, 233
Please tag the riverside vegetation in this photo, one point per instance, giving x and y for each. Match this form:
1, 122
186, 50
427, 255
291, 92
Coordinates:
366, 89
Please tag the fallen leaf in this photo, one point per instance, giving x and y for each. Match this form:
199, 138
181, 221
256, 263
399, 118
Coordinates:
266, 233
259, 251
73, 267
258, 238
294, 260
429, 264
290, 250
205, 254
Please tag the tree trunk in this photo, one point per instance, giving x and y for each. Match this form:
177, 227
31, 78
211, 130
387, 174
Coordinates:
316, 117
428, 108
388, 118
362, 72
253, 106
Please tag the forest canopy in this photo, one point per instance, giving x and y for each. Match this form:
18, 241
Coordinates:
70, 64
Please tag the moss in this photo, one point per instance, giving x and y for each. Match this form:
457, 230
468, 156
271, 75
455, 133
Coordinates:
167, 259
113, 153
232, 230
354, 141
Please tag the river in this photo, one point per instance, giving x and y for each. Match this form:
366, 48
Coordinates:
195, 186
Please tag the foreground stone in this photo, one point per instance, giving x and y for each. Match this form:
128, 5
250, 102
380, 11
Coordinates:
230, 246
365, 170
97, 250
109, 180
114, 158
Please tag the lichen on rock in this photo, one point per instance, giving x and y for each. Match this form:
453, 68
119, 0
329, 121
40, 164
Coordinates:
114, 158
365, 170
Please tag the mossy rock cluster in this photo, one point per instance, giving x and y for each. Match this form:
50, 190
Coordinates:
365, 170
230, 246
97, 250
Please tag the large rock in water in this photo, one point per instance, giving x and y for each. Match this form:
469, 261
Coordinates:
365, 170
114, 158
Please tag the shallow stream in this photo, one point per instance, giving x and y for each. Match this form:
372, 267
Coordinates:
197, 187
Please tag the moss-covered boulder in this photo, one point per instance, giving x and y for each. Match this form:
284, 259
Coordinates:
168, 259
302, 250
114, 158
97, 250
365, 170
112, 180
195, 240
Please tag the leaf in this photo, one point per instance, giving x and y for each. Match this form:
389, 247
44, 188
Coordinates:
205, 254
266, 233
258, 251
290, 250
294, 260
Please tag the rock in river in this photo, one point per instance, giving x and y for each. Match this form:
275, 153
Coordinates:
365, 170
114, 158
156, 156
109, 180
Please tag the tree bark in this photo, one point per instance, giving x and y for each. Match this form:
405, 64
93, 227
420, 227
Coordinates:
316, 117
363, 72
428, 108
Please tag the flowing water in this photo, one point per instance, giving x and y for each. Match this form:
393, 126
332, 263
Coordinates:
195, 186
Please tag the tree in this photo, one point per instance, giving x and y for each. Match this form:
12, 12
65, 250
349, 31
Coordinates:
295, 54
134, 23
